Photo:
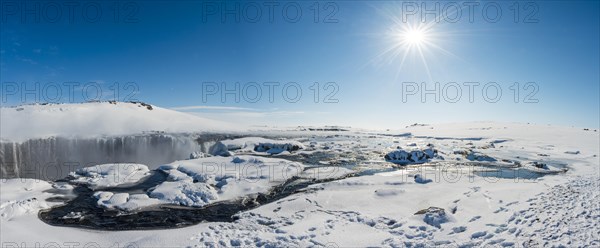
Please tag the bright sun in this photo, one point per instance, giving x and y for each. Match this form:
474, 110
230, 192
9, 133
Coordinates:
414, 37
412, 41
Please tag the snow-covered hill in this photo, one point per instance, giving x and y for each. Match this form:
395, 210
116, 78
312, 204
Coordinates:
97, 119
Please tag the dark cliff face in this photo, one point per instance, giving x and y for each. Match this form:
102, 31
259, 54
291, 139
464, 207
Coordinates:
53, 158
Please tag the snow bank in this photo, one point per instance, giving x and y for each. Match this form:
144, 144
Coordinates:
185, 192
22, 197
109, 175
124, 201
195, 182
202, 181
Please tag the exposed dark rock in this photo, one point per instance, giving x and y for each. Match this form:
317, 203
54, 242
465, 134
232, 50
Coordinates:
416, 156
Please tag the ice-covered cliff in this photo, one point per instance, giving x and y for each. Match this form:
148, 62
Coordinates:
48, 141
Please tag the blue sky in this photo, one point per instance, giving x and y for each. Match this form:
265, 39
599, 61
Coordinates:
170, 50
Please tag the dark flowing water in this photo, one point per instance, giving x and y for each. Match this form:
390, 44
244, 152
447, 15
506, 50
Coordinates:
161, 216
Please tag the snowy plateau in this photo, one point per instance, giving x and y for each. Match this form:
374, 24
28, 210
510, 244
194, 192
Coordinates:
137, 175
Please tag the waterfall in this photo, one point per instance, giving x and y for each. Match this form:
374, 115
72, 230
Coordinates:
53, 158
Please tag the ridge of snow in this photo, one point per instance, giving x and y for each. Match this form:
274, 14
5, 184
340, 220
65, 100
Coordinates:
97, 119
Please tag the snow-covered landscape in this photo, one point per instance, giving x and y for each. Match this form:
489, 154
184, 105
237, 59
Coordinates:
326, 124
469, 184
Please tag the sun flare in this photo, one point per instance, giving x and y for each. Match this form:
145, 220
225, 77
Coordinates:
413, 44
414, 37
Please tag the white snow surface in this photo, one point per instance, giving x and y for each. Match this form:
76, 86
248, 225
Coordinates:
109, 175
22, 197
325, 172
198, 182
124, 201
98, 119
194, 182
384, 208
